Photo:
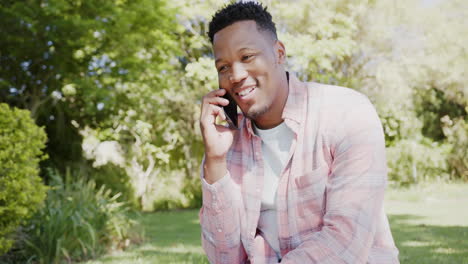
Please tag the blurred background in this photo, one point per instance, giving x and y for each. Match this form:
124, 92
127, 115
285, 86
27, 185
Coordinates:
100, 145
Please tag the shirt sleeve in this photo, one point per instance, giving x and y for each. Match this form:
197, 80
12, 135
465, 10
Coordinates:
220, 221
354, 194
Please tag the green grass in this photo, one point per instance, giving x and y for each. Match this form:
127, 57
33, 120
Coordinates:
429, 224
171, 237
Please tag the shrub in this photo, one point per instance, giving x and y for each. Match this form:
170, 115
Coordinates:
77, 222
431, 106
398, 124
410, 161
456, 132
117, 180
167, 192
21, 188
193, 191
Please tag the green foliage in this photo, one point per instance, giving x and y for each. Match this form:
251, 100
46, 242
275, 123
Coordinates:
399, 124
192, 191
167, 203
321, 38
78, 221
408, 45
411, 62
170, 192
107, 71
78, 63
431, 106
116, 180
21, 188
412, 161
456, 132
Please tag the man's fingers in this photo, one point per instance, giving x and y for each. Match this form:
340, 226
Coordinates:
214, 93
209, 113
219, 92
216, 110
212, 107
222, 115
214, 99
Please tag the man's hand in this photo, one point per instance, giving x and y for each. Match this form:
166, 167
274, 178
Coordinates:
216, 138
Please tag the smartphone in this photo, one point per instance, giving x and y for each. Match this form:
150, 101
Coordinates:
231, 112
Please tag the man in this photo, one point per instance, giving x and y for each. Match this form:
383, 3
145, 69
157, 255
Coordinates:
302, 180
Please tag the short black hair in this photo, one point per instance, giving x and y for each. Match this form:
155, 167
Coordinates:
240, 11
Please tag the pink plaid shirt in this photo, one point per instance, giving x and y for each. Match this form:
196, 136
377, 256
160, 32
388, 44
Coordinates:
330, 194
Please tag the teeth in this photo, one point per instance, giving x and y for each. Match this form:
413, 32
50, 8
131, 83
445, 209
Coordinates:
246, 92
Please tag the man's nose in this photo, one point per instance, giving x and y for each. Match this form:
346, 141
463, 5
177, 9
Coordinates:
238, 73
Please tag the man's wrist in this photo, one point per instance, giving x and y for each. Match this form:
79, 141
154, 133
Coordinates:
214, 169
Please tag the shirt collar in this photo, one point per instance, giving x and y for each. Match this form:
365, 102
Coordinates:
293, 112
294, 108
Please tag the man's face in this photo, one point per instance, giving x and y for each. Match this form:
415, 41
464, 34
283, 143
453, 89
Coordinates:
248, 63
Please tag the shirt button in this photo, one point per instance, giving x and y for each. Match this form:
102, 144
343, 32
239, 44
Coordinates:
219, 230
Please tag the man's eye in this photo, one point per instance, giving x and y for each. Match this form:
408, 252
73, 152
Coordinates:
246, 57
222, 69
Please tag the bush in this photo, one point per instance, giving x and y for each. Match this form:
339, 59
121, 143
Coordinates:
410, 161
117, 180
193, 192
77, 222
456, 132
21, 188
167, 192
431, 106
398, 124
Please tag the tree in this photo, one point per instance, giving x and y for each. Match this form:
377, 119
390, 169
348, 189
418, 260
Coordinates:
412, 63
78, 63
105, 68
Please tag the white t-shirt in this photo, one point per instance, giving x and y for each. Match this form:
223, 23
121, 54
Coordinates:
276, 143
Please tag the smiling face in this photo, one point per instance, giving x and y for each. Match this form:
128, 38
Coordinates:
250, 68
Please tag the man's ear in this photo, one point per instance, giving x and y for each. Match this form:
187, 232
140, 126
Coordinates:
280, 52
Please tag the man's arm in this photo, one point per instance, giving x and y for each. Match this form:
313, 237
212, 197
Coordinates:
354, 195
220, 215
220, 220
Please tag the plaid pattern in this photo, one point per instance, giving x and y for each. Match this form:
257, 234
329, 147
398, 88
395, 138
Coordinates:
330, 194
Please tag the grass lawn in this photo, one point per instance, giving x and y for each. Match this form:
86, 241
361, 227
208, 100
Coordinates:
171, 237
429, 224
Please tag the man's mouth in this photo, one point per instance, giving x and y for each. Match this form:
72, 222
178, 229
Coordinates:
246, 92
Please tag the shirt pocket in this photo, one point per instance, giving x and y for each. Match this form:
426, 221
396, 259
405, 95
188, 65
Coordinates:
310, 192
